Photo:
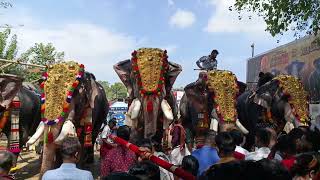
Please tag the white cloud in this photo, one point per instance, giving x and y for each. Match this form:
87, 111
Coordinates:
223, 20
182, 19
97, 47
170, 2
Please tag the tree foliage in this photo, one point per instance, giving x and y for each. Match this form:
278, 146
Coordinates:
114, 91
41, 54
300, 16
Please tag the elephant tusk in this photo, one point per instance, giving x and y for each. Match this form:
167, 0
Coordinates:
36, 135
241, 127
68, 129
136, 105
214, 124
167, 111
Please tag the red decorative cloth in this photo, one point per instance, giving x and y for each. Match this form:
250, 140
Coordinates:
288, 162
239, 156
118, 159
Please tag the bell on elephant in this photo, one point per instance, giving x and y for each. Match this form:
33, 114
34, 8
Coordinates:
149, 78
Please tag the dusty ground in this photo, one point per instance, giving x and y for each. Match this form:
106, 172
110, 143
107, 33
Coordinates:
29, 166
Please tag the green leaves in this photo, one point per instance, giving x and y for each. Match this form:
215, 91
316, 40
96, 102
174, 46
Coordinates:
301, 16
114, 91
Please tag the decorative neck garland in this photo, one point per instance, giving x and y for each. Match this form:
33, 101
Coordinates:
163, 70
66, 104
225, 88
292, 87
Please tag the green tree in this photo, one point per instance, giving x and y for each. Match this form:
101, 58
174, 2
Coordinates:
114, 91
41, 54
8, 50
301, 16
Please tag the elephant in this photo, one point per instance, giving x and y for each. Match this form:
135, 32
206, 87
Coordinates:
149, 78
199, 106
273, 104
73, 104
13, 91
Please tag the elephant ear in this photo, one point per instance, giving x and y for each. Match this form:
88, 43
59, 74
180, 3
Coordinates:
173, 72
91, 88
9, 87
123, 69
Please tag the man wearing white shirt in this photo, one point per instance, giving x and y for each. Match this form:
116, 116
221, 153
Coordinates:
262, 142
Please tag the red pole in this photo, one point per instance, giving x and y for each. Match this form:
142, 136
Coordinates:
164, 164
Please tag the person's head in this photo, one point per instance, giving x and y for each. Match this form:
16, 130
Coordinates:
120, 176
273, 170
210, 138
190, 164
112, 123
263, 137
70, 149
214, 54
6, 161
237, 136
226, 171
124, 132
306, 166
273, 137
145, 170
286, 146
225, 144
295, 135
156, 144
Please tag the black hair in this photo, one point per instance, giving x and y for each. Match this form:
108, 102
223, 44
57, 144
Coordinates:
305, 163
296, 133
226, 171
120, 176
264, 78
263, 136
124, 132
6, 160
210, 136
156, 144
113, 121
145, 170
273, 170
286, 144
145, 143
190, 164
215, 51
237, 136
70, 146
225, 143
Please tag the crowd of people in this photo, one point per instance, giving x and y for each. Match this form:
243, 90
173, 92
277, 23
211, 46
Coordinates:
293, 155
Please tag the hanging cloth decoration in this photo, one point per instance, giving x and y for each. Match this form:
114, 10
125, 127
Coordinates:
14, 133
298, 97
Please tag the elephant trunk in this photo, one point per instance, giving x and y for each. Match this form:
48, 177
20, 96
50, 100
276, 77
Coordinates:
49, 150
36, 135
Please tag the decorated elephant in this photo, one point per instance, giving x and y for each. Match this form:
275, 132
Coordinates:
276, 101
73, 104
210, 103
149, 78
19, 111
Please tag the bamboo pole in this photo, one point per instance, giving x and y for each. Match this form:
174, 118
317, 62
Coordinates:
5, 65
18, 62
166, 165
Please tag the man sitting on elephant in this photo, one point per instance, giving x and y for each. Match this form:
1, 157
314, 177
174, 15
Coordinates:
208, 62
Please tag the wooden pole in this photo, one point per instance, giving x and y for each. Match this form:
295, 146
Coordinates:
18, 62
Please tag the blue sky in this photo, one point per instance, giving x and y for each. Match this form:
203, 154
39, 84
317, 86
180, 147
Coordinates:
99, 33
